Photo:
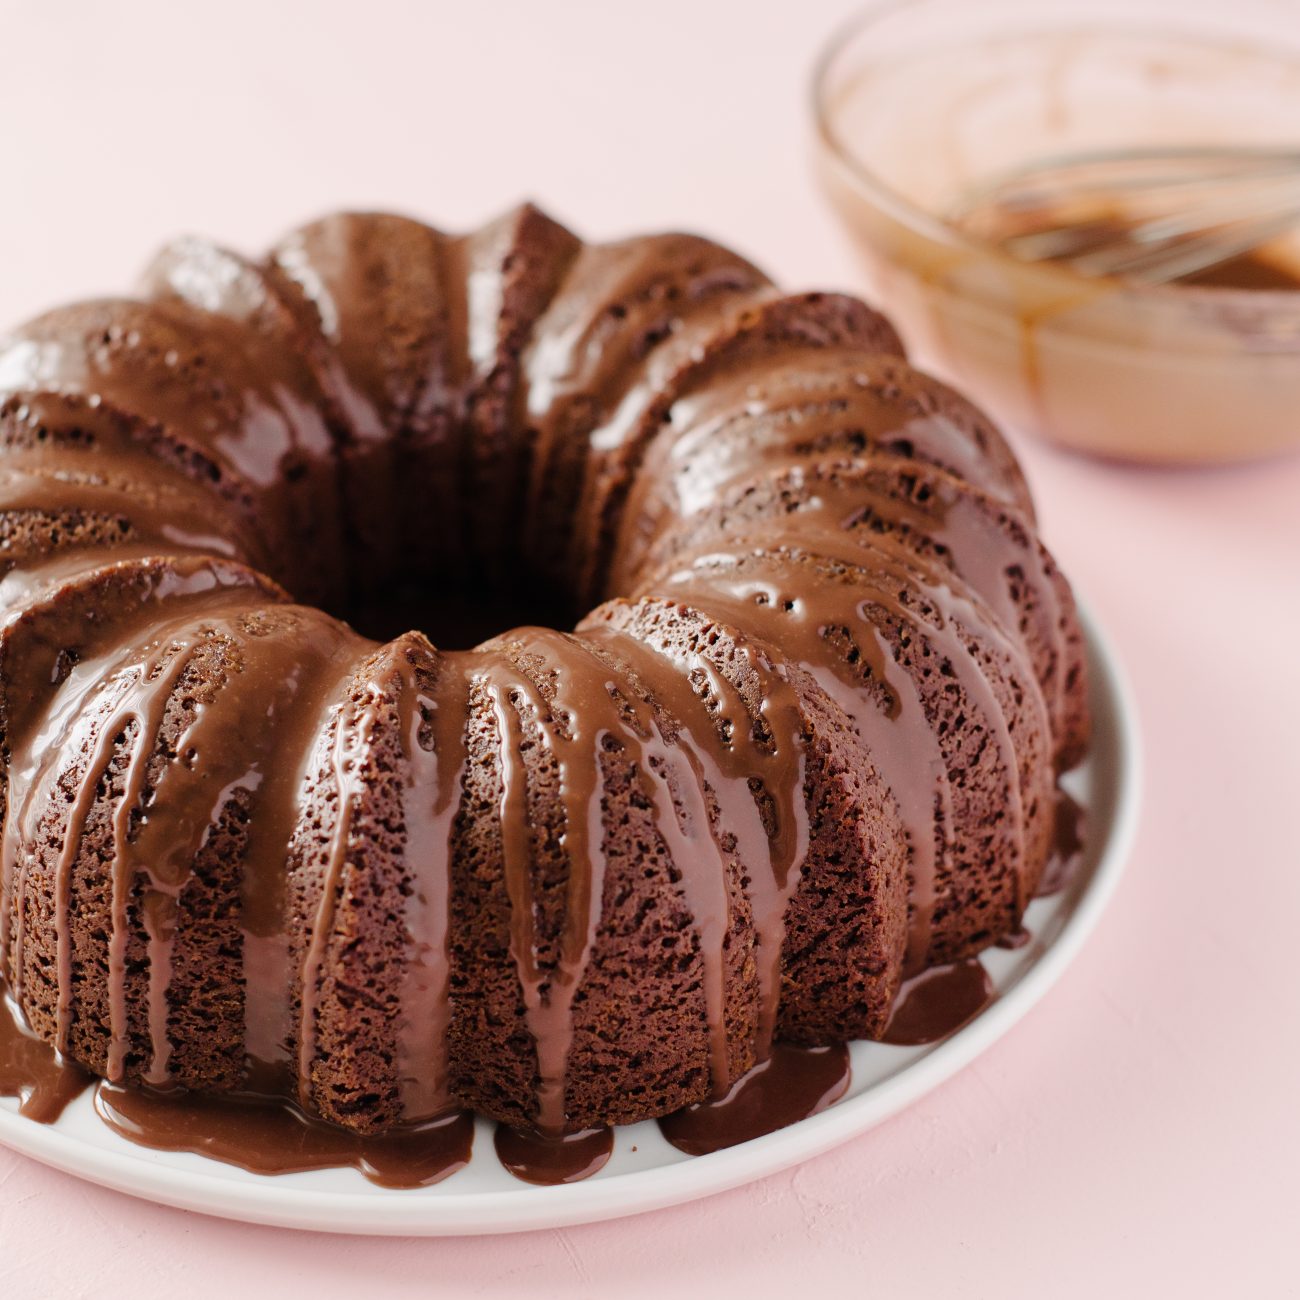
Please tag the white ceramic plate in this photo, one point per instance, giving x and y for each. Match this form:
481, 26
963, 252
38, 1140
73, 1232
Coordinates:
644, 1172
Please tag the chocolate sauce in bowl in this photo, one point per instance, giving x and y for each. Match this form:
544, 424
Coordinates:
1253, 270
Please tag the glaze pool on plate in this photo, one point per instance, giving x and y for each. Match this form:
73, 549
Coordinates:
645, 1172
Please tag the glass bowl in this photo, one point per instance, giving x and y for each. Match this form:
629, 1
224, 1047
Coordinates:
918, 102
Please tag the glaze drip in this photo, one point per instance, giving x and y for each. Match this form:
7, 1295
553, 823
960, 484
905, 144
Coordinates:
938, 1002
791, 1084
549, 1161
1068, 826
33, 1072
274, 1137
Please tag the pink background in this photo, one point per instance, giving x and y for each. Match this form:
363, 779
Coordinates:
1138, 1132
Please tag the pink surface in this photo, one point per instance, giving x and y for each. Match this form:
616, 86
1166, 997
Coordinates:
1139, 1131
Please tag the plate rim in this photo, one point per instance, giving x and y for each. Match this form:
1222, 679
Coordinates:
383, 1212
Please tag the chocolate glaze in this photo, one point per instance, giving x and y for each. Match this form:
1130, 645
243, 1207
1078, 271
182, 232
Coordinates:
938, 1002
248, 849
896, 725
275, 1137
32, 1071
1068, 828
548, 1161
733, 775
791, 1084
1254, 270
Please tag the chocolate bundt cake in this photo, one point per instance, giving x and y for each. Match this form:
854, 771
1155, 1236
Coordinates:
803, 745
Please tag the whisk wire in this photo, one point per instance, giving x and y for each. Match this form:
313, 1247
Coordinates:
1149, 215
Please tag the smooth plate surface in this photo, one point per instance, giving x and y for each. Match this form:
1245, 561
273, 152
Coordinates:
644, 1172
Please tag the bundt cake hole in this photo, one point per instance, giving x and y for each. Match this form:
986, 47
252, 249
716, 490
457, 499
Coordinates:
458, 612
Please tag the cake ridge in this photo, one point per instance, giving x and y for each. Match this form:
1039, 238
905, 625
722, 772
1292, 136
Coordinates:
773, 860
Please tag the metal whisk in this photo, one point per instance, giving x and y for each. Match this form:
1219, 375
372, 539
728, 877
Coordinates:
1149, 215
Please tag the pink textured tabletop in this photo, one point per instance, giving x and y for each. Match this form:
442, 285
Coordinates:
1139, 1130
